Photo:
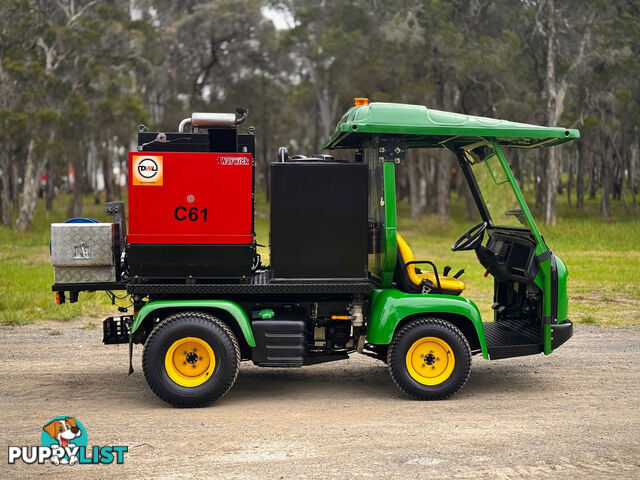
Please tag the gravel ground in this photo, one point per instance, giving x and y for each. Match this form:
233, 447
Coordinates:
574, 414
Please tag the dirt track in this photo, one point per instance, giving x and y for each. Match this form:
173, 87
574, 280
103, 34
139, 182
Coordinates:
574, 414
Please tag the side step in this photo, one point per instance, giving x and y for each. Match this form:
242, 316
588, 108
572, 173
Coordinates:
512, 339
279, 343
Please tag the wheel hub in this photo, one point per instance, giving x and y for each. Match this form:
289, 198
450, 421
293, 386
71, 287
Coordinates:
190, 361
430, 361
192, 357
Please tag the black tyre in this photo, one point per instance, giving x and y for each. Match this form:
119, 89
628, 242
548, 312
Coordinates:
191, 359
429, 359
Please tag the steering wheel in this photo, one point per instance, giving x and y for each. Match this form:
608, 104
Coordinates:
470, 240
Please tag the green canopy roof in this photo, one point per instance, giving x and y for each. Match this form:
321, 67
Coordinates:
424, 128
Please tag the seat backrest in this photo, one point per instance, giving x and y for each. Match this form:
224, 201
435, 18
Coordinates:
405, 255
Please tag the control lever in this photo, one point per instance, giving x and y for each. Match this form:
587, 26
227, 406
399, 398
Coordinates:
499, 308
446, 270
459, 273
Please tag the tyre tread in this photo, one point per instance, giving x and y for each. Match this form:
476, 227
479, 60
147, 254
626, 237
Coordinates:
393, 367
205, 319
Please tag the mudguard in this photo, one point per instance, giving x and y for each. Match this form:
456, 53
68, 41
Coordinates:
238, 314
390, 306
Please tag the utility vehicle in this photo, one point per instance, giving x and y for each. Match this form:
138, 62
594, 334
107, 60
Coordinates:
341, 277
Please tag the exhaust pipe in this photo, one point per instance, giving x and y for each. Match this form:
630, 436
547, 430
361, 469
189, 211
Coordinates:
203, 119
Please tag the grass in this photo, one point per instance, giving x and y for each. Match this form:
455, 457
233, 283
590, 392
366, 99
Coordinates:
27, 274
603, 260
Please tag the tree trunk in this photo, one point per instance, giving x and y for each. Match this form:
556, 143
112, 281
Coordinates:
633, 169
80, 186
265, 161
49, 187
569, 178
402, 182
471, 208
107, 172
423, 170
5, 195
540, 178
605, 177
15, 189
580, 175
443, 199
551, 188
432, 181
552, 170
516, 166
414, 181
30, 187
593, 179
116, 180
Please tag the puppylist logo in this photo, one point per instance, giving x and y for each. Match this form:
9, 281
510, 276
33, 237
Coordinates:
63, 441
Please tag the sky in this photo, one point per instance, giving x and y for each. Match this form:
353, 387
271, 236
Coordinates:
280, 18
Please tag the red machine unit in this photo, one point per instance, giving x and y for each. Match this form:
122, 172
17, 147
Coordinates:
190, 198
191, 201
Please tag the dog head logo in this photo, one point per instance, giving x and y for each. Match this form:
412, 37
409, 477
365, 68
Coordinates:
63, 430
65, 435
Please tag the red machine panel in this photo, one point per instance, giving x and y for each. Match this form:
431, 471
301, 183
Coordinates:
190, 198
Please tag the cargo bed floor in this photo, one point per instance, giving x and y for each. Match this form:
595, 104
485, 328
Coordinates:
512, 338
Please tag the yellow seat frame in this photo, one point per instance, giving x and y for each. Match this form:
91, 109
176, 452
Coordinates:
406, 256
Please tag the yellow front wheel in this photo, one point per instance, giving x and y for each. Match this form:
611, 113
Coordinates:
190, 361
429, 359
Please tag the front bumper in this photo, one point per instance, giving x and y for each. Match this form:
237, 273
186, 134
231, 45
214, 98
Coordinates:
560, 333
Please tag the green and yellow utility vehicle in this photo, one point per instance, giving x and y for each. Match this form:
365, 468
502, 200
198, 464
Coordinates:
341, 278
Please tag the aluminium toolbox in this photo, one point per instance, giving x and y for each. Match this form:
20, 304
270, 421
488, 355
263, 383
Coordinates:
85, 252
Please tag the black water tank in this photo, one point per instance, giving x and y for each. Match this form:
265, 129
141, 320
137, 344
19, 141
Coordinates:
319, 220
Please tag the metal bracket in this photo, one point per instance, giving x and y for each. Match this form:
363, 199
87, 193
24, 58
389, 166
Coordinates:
544, 256
392, 149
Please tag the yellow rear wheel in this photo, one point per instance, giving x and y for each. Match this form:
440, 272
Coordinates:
430, 361
190, 361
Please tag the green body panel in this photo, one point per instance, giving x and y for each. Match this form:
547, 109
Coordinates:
563, 301
232, 308
433, 128
390, 306
390, 231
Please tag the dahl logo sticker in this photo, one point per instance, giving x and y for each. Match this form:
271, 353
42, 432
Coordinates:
147, 170
63, 441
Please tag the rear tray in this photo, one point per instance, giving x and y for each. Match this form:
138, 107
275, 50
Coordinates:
513, 338
259, 283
